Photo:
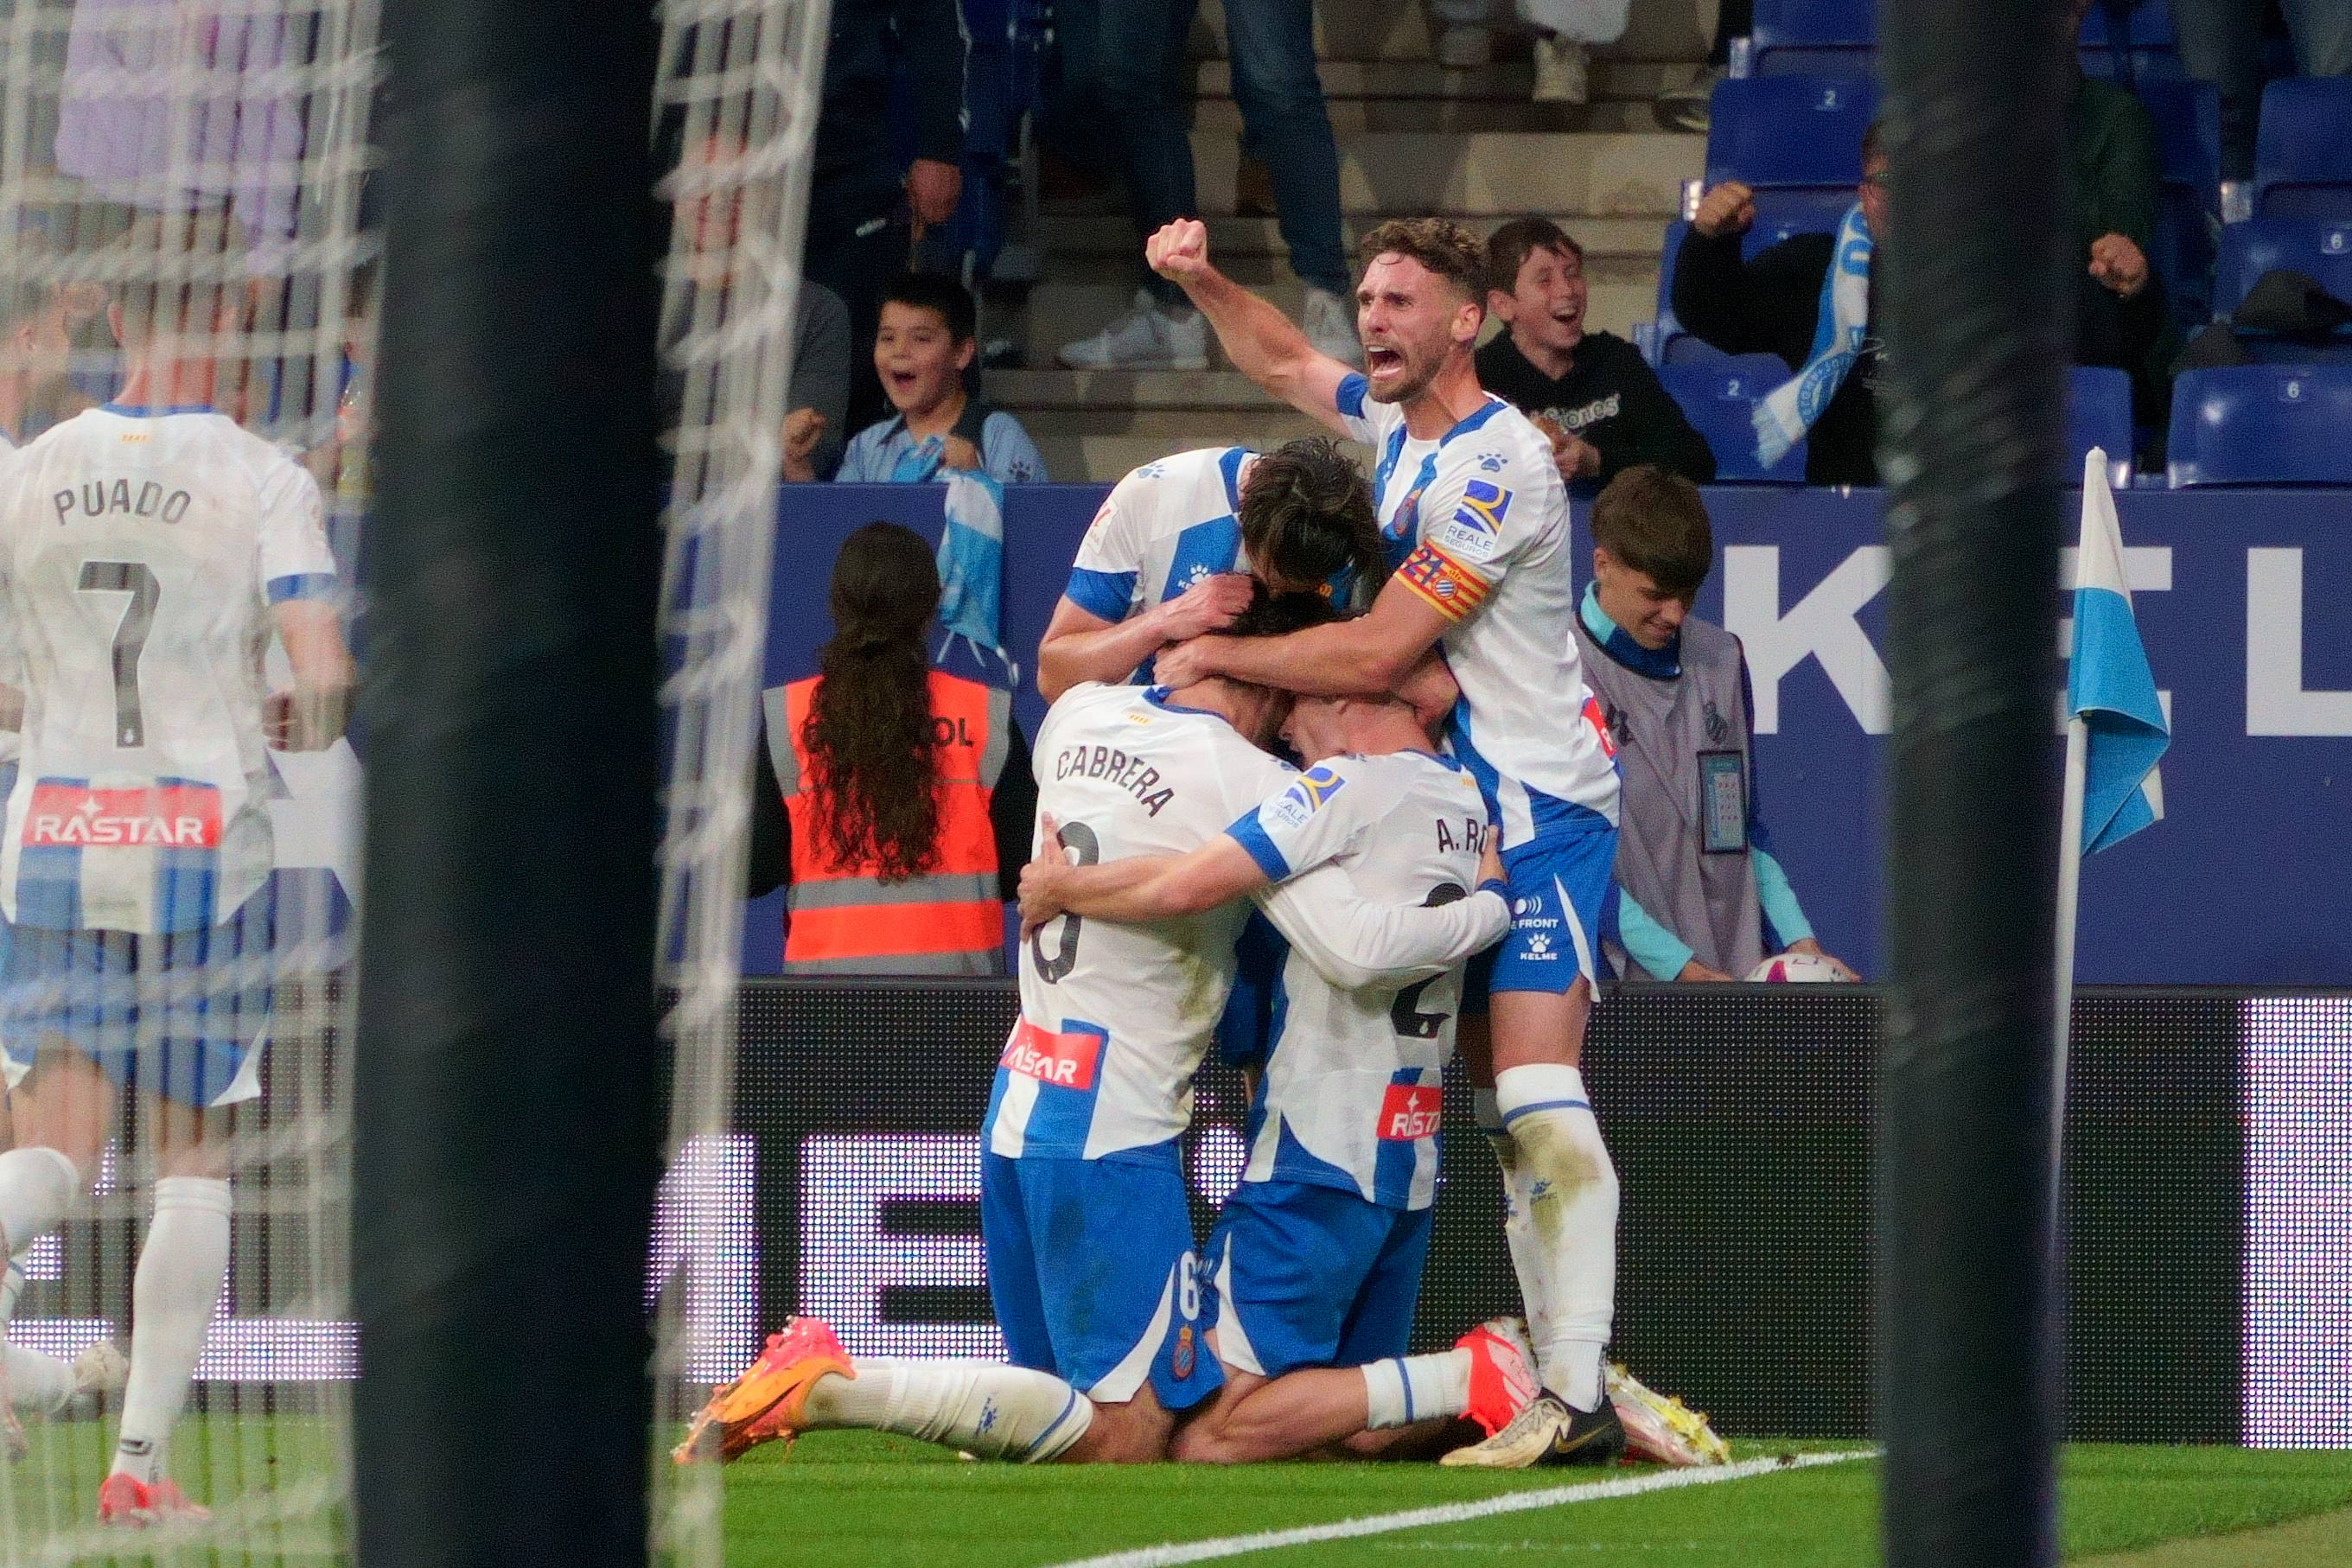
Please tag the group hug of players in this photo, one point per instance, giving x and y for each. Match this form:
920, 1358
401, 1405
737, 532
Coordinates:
1436, 875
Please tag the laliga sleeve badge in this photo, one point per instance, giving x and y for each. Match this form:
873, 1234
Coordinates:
1180, 1358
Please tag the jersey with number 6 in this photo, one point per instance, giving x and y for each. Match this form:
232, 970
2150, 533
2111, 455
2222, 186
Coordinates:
1115, 1019
140, 554
1352, 1087
1476, 524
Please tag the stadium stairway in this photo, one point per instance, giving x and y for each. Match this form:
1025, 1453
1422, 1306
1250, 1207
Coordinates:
1414, 138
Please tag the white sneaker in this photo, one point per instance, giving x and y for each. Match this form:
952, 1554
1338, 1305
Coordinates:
1463, 48
1561, 75
1330, 326
1146, 338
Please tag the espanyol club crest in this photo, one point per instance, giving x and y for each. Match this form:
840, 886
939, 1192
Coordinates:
1182, 1357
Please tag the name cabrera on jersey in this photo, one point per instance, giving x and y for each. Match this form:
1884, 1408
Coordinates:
1115, 1017
1351, 1091
141, 555
1476, 524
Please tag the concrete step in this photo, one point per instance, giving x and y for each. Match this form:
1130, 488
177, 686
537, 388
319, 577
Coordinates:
1070, 235
1505, 81
1269, 270
1077, 450
1384, 30
1095, 391
1490, 174
1062, 312
1635, 116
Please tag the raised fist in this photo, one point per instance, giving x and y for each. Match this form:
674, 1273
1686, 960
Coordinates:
1180, 251
1727, 208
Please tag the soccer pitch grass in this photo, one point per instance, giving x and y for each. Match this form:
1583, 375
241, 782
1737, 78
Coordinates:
852, 1500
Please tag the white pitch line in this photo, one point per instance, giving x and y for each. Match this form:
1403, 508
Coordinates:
1174, 1553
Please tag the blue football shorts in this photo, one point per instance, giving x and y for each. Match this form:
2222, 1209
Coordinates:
1305, 1275
1560, 879
1091, 1269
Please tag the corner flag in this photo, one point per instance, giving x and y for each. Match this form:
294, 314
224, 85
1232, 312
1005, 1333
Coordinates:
2108, 684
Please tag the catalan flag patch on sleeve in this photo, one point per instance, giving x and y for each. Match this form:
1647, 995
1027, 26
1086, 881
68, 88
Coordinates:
1453, 589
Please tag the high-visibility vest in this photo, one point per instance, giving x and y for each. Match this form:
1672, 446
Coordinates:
949, 920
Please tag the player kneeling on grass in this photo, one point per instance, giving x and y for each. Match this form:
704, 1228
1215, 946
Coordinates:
1084, 1207
1315, 1261
149, 548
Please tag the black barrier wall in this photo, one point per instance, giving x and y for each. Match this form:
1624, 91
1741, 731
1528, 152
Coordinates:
1740, 1118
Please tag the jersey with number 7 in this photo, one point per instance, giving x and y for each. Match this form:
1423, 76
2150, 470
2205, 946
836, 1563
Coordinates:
141, 555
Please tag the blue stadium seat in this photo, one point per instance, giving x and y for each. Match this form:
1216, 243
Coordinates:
2317, 247
1720, 400
1814, 38
2188, 116
1790, 132
2152, 54
2261, 424
2303, 152
2098, 414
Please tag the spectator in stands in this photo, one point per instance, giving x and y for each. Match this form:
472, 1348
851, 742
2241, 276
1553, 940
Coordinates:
862, 201
1566, 32
1589, 393
1690, 107
892, 801
1125, 75
1700, 895
923, 347
1772, 303
819, 394
35, 343
2220, 41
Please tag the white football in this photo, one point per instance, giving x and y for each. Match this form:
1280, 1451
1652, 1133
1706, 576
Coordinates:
1793, 968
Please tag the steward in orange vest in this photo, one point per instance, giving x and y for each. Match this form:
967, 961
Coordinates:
883, 906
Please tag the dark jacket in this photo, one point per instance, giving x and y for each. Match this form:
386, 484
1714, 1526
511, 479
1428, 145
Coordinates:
856, 177
1767, 304
1609, 398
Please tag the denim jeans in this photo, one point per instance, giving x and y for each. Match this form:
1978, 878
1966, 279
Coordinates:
1124, 72
2220, 41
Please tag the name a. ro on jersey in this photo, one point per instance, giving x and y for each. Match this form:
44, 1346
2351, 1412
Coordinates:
97, 498
1116, 767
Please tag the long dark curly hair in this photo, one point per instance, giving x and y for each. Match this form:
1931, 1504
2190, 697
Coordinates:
873, 762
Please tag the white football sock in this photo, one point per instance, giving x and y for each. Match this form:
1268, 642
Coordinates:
1406, 1389
982, 1407
36, 1187
38, 1382
173, 1295
1518, 1228
1564, 1179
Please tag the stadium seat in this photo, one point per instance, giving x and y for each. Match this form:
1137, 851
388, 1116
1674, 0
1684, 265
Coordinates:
2098, 414
2302, 151
2261, 424
2319, 247
1720, 400
1790, 132
2151, 48
2188, 116
1812, 37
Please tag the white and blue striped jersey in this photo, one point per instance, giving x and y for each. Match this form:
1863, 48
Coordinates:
140, 555
1115, 1019
1349, 1093
1163, 528
1476, 523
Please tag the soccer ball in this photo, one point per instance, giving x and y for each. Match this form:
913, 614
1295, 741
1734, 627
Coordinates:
1790, 968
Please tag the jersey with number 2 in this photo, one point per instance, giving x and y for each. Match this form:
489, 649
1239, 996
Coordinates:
140, 554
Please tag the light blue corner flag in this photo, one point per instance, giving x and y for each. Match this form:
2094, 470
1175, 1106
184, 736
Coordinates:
2109, 683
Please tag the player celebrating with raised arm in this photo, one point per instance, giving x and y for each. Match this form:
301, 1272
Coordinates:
1473, 511
1083, 1202
149, 548
1168, 555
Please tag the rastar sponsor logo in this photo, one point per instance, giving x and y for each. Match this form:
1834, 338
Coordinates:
1410, 1110
169, 816
1600, 723
1064, 1061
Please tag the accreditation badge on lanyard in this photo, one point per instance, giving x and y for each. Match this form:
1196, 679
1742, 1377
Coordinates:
1723, 802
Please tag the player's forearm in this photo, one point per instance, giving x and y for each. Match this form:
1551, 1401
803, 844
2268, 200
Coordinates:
1111, 654
12, 708
320, 704
1138, 888
1353, 943
1335, 660
1264, 344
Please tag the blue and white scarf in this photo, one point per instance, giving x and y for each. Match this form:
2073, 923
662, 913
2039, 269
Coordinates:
972, 558
1783, 415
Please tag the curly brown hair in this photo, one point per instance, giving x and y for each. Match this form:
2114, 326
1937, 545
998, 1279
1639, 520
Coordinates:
873, 765
1441, 245
1306, 513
